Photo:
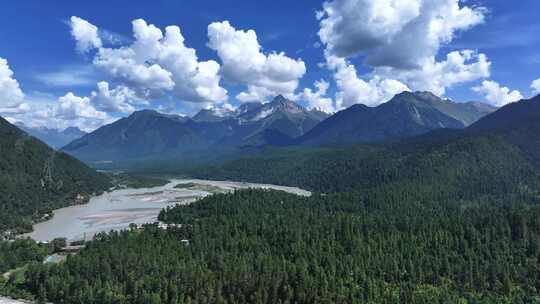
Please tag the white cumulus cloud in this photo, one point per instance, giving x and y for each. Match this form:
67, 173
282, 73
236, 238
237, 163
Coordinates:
59, 113
85, 34
157, 62
119, 99
394, 33
10, 91
318, 99
535, 86
437, 76
71, 110
122, 64
497, 95
68, 110
11, 95
400, 41
71, 107
352, 89
243, 62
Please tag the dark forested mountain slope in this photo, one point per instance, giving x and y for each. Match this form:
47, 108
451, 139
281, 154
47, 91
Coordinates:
518, 123
34, 179
511, 116
257, 246
455, 164
141, 134
407, 114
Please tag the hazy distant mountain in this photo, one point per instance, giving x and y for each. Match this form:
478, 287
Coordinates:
407, 114
36, 179
53, 137
149, 134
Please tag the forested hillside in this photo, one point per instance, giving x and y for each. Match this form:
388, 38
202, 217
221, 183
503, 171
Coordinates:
518, 123
468, 163
257, 246
35, 179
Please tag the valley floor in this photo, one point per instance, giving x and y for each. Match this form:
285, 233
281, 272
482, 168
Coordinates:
118, 209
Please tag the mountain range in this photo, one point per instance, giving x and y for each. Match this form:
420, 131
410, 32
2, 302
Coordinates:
406, 114
52, 137
148, 134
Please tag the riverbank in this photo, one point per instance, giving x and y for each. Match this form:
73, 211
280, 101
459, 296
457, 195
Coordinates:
116, 210
4, 300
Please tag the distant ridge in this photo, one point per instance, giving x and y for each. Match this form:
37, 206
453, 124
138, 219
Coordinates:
148, 134
406, 114
53, 137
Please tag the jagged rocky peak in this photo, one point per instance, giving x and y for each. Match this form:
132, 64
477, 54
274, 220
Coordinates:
416, 97
248, 106
280, 102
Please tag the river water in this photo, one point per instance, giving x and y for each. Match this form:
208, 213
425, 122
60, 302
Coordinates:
11, 301
117, 209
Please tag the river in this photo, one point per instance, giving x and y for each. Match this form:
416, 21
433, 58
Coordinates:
117, 209
11, 301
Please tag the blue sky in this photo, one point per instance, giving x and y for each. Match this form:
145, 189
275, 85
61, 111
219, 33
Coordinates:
37, 43
40, 45
510, 37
